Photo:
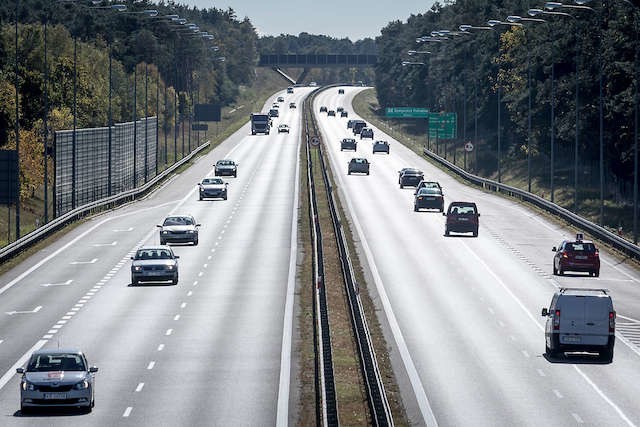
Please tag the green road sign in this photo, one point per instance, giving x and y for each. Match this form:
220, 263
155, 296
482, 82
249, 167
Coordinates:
443, 125
407, 112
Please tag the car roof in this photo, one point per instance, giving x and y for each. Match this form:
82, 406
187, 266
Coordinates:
381, 142
596, 292
358, 159
58, 351
462, 204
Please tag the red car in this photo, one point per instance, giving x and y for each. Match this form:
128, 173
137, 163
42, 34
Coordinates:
576, 255
462, 217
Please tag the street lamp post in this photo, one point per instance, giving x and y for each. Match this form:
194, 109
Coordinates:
17, 126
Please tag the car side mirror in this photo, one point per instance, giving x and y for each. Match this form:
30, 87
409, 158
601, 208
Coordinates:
478, 214
554, 249
131, 257
545, 312
198, 225
176, 256
93, 369
444, 214
20, 370
158, 225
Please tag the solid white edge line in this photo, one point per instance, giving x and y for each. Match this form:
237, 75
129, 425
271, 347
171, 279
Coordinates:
416, 383
12, 371
526, 311
127, 412
282, 413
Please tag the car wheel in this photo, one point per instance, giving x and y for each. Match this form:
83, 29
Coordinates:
551, 353
561, 271
367, 172
446, 232
555, 270
235, 174
224, 197
607, 355
24, 410
134, 282
401, 186
475, 233
175, 281
163, 242
596, 273
349, 173
195, 242
200, 197
415, 208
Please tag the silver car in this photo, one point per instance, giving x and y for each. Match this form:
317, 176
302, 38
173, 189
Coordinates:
154, 264
57, 378
179, 229
226, 167
212, 188
358, 164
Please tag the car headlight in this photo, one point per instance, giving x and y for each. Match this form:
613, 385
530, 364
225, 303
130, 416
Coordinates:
164, 232
171, 267
190, 231
82, 385
136, 268
27, 386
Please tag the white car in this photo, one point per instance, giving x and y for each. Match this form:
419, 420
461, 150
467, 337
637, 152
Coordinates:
580, 319
283, 128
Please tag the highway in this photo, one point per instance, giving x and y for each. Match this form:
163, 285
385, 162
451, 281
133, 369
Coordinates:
214, 349
462, 314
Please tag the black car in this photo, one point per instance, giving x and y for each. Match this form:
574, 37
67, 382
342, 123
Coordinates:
348, 144
462, 217
340, 91
380, 147
323, 109
428, 198
409, 177
366, 133
357, 126
428, 184
344, 114
340, 109
350, 123
331, 113
358, 164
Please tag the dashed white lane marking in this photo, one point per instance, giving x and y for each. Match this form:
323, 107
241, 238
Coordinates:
501, 323
151, 365
577, 418
161, 347
47, 337
491, 310
139, 388
208, 258
541, 373
76, 309
525, 353
195, 283
61, 322
57, 326
169, 332
557, 393
190, 293
183, 305
70, 313
1, 341
200, 274
205, 265
512, 337
127, 412
176, 317
52, 331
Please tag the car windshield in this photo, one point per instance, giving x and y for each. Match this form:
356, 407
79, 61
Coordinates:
153, 254
212, 181
56, 362
225, 163
462, 210
581, 247
178, 220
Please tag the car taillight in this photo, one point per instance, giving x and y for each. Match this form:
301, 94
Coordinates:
612, 321
564, 254
556, 320
596, 254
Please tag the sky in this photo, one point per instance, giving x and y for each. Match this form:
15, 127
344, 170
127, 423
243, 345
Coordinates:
355, 19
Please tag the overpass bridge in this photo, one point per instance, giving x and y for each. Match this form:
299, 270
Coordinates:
308, 61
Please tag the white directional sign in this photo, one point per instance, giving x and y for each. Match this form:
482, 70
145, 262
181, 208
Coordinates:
35, 310
46, 285
97, 245
93, 261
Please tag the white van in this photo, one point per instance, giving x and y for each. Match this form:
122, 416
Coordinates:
580, 319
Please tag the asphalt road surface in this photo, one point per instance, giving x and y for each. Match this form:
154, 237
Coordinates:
214, 349
463, 313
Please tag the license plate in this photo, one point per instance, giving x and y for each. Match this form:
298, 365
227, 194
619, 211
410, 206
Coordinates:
463, 219
581, 257
572, 339
430, 198
155, 273
55, 396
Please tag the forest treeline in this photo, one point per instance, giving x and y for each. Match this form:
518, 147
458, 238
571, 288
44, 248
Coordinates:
463, 73
167, 57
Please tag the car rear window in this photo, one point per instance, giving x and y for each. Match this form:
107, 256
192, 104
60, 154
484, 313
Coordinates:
581, 247
429, 191
463, 210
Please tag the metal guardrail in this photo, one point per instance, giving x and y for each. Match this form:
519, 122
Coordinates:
595, 230
376, 396
38, 234
326, 404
